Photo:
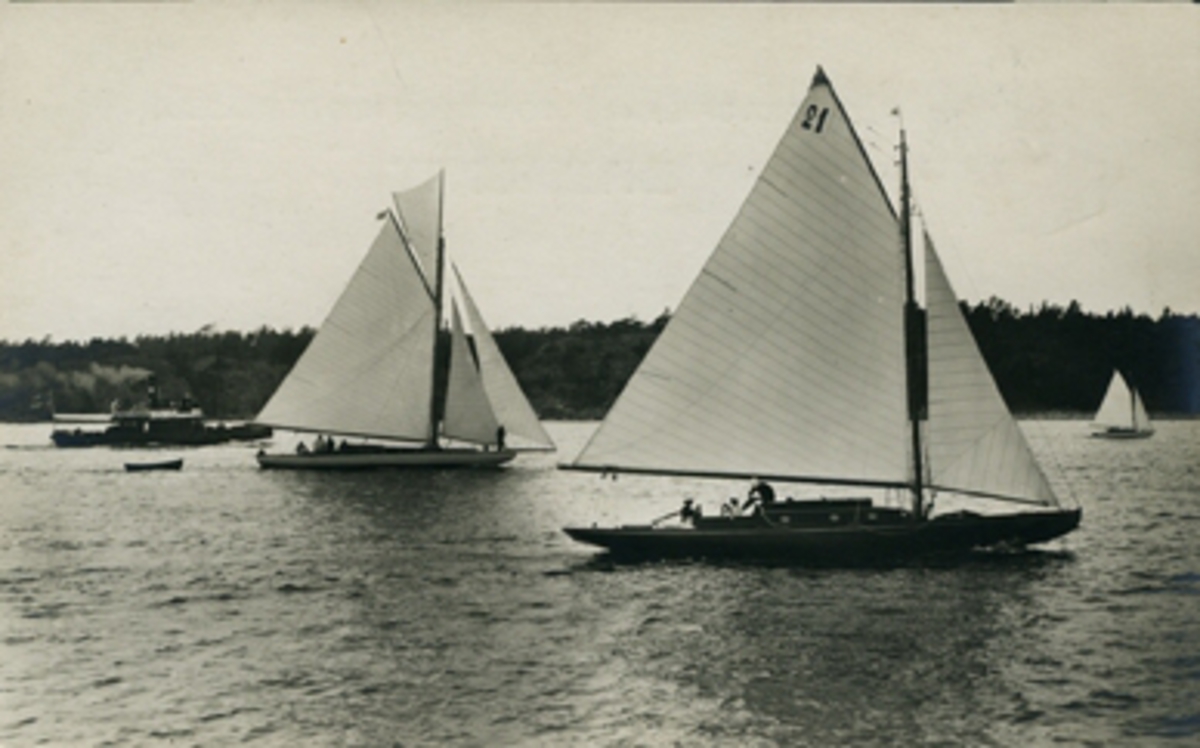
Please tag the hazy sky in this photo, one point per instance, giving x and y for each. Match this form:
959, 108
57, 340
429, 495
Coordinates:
164, 167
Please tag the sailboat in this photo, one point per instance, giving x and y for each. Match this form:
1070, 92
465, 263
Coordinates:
800, 355
367, 381
1122, 414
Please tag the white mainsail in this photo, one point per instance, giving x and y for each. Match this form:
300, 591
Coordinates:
365, 371
1122, 407
511, 407
786, 357
469, 414
974, 444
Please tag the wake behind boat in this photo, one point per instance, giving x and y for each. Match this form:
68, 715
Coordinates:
370, 372
801, 345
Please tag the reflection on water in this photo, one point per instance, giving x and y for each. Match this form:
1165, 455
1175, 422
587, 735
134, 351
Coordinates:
224, 604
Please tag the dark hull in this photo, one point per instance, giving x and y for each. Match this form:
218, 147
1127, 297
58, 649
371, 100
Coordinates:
141, 467
120, 436
853, 541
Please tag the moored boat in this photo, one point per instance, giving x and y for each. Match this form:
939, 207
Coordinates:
152, 424
140, 467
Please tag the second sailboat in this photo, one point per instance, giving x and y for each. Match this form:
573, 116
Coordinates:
370, 373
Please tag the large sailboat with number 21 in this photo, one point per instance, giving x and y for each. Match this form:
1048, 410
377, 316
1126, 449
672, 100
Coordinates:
801, 355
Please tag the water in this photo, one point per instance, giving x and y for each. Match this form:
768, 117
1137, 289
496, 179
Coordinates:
224, 604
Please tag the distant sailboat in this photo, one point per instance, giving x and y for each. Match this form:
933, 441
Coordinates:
798, 355
1122, 414
370, 369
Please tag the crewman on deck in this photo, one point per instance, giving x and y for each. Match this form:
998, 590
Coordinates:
690, 512
761, 494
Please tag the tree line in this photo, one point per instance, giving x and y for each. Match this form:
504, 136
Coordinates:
1045, 359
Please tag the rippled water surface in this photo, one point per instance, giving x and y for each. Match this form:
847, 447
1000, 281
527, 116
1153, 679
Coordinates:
223, 604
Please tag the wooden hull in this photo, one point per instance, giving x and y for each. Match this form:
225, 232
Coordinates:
412, 459
851, 540
138, 467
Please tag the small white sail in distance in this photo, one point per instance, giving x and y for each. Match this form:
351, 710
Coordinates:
1122, 407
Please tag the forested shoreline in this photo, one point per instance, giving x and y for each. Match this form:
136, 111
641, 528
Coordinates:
1045, 359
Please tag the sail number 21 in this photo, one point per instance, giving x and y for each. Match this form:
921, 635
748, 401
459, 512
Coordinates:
814, 117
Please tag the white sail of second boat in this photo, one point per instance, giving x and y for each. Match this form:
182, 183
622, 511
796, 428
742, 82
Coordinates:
366, 371
369, 370
508, 402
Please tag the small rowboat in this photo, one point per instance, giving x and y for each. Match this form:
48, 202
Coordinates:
137, 467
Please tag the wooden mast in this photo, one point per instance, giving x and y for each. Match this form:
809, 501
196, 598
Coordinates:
432, 442
914, 350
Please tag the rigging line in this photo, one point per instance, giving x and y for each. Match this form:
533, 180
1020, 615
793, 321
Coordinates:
383, 40
949, 249
873, 143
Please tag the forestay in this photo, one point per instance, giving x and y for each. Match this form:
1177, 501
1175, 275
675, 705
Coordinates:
785, 358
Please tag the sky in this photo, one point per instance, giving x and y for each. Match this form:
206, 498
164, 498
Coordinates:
168, 167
